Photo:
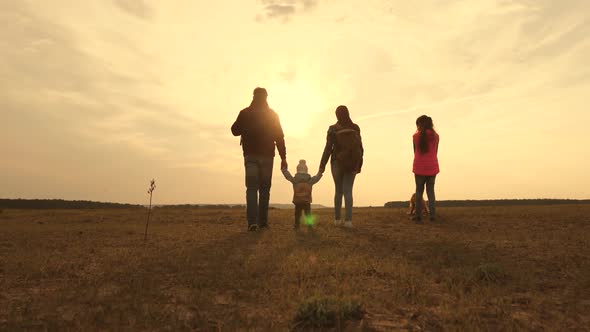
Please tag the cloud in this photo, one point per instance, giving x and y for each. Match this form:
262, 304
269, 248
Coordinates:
285, 9
289, 75
51, 78
137, 8
437, 104
279, 10
489, 52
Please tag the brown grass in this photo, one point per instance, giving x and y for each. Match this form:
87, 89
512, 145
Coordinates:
493, 268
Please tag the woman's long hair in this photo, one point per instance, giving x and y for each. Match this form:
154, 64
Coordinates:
343, 116
424, 123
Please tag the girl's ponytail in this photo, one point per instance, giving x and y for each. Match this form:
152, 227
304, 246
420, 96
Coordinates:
424, 123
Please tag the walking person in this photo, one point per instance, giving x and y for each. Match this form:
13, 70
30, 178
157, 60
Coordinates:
302, 188
344, 148
260, 131
425, 165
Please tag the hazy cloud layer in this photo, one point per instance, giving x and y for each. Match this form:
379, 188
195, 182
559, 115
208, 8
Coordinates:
138, 8
74, 110
93, 106
285, 9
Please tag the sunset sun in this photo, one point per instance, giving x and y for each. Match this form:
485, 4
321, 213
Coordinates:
296, 102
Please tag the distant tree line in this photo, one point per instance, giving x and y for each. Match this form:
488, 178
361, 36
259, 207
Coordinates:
200, 206
61, 204
226, 206
79, 204
493, 202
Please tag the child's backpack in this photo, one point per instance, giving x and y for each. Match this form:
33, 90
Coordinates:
348, 151
302, 193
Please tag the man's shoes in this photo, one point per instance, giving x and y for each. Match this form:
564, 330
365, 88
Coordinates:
253, 228
337, 222
263, 226
348, 224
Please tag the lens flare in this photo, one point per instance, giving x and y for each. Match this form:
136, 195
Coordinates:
310, 220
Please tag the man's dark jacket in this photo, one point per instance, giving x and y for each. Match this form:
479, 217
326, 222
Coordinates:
260, 130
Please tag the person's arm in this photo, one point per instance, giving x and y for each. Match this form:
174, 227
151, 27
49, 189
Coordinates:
362, 150
288, 175
280, 142
437, 142
315, 179
327, 152
279, 138
236, 128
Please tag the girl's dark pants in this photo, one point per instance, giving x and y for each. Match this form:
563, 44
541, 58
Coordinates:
422, 180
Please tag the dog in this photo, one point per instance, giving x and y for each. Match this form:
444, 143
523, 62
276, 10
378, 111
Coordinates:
413, 206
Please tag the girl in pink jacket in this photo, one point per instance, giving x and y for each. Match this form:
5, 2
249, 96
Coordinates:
425, 163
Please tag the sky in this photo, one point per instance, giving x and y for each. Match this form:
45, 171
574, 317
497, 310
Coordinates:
98, 97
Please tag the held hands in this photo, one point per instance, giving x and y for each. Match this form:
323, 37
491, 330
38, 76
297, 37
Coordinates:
284, 164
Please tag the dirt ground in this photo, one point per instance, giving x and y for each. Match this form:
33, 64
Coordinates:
489, 269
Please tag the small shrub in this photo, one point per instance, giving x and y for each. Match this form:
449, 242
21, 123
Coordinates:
493, 273
325, 312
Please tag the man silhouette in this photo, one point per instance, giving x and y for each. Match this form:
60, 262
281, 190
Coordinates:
260, 131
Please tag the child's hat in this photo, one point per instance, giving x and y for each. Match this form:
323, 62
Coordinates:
302, 167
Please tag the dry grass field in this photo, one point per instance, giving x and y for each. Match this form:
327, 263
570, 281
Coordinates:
490, 269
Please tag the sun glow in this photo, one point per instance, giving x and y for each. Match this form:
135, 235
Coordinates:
297, 102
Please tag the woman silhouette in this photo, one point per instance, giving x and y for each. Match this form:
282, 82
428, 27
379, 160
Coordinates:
344, 148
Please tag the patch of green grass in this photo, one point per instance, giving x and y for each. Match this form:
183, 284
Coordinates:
326, 312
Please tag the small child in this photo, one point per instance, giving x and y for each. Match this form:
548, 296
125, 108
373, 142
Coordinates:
302, 184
